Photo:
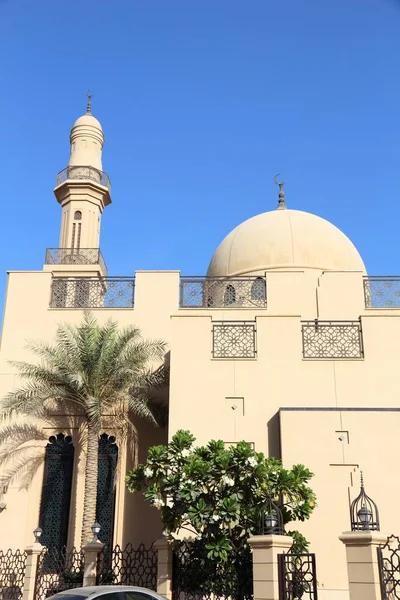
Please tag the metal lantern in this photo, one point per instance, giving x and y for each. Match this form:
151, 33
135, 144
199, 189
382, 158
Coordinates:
95, 530
271, 519
38, 534
364, 514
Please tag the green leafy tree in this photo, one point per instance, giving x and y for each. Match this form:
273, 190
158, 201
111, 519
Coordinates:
216, 494
100, 375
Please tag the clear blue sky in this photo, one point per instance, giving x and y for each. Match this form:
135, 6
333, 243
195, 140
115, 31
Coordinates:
202, 102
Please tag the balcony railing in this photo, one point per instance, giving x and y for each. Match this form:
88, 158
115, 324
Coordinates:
332, 339
92, 292
78, 172
382, 292
223, 292
75, 256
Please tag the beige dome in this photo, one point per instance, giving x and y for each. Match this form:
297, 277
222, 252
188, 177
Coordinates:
88, 121
284, 239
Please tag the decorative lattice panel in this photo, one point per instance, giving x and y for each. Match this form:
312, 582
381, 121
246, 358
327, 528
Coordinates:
12, 573
56, 491
194, 576
332, 339
389, 568
58, 569
128, 566
382, 292
218, 292
105, 506
297, 577
92, 292
234, 339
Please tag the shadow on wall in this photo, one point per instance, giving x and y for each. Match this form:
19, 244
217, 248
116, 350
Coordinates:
274, 436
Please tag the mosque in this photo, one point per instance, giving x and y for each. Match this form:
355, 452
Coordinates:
286, 342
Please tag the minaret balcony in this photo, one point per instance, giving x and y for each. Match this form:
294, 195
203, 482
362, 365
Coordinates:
75, 256
77, 172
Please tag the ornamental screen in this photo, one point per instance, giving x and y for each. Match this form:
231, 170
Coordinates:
332, 339
234, 339
56, 491
108, 456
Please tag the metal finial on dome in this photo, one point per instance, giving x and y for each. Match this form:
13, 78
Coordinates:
281, 202
89, 104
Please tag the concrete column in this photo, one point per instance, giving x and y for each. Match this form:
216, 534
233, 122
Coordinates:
164, 566
32, 555
265, 564
362, 563
91, 552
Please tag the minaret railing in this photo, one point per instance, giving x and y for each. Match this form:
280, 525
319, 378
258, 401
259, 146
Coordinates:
75, 256
78, 172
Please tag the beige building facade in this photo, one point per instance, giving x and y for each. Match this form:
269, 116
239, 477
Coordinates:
286, 343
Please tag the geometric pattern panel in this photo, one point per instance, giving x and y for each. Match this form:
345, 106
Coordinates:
234, 339
56, 491
57, 570
297, 576
219, 292
12, 573
92, 292
382, 292
389, 568
105, 504
194, 577
332, 339
128, 566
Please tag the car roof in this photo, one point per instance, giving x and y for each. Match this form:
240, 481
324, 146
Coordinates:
106, 589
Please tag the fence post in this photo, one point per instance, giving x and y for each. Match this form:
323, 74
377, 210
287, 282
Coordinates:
164, 566
265, 564
32, 555
362, 563
91, 553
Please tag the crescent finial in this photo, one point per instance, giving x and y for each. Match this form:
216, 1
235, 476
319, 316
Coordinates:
281, 203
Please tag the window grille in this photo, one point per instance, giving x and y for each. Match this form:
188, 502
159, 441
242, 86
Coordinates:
56, 491
234, 339
78, 215
107, 461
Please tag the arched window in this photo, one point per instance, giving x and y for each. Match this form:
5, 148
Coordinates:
78, 215
56, 491
258, 290
230, 295
105, 505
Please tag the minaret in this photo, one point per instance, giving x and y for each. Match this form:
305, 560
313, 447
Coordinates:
83, 190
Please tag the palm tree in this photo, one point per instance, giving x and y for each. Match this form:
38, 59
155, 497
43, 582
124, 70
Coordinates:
101, 373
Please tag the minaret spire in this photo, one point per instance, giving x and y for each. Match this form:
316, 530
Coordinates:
89, 104
281, 202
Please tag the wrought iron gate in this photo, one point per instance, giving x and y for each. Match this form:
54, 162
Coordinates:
195, 577
389, 568
297, 577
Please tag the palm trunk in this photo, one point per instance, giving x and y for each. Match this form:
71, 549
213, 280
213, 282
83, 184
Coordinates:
91, 476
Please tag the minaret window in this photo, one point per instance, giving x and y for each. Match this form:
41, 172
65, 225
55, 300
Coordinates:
56, 491
73, 235
78, 215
